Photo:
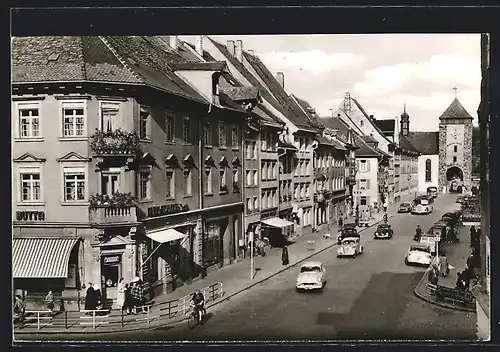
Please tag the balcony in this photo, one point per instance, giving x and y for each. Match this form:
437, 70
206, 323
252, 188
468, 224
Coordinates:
114, 143
118, 209
113, 216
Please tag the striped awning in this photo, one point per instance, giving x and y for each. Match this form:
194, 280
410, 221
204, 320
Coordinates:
41, 258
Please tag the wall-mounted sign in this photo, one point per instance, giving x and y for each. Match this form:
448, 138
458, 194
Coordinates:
167, 209
30, 216
112, 259
268, 214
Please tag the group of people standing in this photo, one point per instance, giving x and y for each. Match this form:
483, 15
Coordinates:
130, 296
93, 297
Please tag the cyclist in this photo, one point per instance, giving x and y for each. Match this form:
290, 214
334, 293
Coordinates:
418, 233
198, 304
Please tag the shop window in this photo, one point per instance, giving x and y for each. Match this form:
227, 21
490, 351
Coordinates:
213, 244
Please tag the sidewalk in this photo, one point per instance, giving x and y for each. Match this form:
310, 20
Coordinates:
457, 254
235, 279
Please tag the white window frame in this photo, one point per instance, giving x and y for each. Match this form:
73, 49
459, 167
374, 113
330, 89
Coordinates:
102, 104
222, 127
223, 179
69, 105
142, 170
235, 137
209, 189
170, 184
249, 178
169, 115
256, 204
31, 169
207, 133
28, 106
109, 172
190, 132
187, 175
363, 166
255, 177
75, 170
363, 184
143, 109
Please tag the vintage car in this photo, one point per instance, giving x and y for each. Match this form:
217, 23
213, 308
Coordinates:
350, 225
312, 276
347, 232
419, 254
383, 231
350, 247
422, 206
404, 208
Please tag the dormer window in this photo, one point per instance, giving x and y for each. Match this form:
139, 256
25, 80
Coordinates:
361, 123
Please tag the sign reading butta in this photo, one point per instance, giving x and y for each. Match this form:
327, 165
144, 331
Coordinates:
30, 216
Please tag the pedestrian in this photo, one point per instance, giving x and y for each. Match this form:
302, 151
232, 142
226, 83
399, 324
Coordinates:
127, 304
433, 275
460, 284
472, 236
284, 256
49, 301
385, 207
90, 298
136, 293
341, 222
19, 309
98, 297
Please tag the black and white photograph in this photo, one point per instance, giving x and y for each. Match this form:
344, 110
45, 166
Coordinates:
250, 187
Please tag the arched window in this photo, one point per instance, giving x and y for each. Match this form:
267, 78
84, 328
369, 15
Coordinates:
428, 171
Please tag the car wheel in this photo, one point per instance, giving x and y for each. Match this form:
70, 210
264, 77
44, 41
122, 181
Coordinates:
406, 261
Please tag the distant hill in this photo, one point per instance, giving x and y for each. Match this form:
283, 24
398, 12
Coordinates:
475, 150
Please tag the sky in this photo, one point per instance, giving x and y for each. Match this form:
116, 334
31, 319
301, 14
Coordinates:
382, 71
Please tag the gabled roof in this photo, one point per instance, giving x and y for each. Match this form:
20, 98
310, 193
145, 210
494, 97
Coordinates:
365, 150
242, 93
288, 107
309, 111
369, 139
427, 143
336, 124
386, 126
330, 142
406, 144
132, 60
200, 66
455, 111
371, 120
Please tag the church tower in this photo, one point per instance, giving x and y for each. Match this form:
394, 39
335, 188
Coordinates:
455, 146
405, 123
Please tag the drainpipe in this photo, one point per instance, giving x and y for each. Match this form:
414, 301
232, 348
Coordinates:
279, 180
200, 191
314, 146
243, 182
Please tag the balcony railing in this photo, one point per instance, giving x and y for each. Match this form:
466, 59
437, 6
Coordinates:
114, 143
105, 215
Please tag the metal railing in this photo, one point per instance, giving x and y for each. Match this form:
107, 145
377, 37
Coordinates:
41, 318
96, 318
146, 309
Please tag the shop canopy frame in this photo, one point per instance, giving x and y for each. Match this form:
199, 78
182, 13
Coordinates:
163, 236
277, 223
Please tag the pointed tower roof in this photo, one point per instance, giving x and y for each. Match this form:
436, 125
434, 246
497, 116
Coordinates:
455, 111
404, 114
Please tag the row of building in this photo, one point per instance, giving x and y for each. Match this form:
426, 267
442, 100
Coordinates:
152, 157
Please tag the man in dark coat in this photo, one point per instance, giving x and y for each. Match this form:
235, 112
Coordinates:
90, 299
284, 256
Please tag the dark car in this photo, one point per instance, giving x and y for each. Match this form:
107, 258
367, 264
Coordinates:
349, 232
350, 225
383, 231
404, 208
460, 199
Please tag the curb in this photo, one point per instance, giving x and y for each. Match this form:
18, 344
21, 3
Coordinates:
222, 299
436, 303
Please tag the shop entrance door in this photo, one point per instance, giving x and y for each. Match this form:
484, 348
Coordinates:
111, 271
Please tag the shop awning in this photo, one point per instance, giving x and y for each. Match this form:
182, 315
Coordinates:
277, 222
41, 258
165, 236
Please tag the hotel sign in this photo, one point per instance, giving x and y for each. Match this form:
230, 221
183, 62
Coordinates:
30, 216
167, 210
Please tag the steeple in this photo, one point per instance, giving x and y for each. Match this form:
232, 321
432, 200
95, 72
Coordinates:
405, 122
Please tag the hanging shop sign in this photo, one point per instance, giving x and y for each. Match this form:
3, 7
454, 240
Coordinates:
30, 216
167, 209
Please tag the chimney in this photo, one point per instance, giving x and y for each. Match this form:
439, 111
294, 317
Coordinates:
199, 45
173, 42
251, 52
280, 77
331, 112
239, 50
230, 47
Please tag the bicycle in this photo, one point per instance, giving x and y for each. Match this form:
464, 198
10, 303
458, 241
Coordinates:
194, 318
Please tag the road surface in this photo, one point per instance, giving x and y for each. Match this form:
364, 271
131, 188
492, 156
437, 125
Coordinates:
368, 297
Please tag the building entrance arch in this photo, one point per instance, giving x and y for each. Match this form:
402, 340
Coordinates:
455, 178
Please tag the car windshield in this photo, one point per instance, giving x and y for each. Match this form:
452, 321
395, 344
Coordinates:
424, 202
420, 249
383, 227
405, 204
310, 269
349, 231
349, 241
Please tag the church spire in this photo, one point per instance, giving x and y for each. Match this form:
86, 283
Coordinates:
405, 122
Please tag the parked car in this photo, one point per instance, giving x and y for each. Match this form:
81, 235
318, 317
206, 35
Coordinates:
419, 254
383, 231
404, 208
350, 247
460, 199
432, 192
422, 206
347, 233
350, 225
312, 276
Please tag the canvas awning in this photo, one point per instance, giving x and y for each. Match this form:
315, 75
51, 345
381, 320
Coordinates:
41, 258
164, 236
277, 222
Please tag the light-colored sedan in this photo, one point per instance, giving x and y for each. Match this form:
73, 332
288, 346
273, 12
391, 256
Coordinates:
350, 247
312, 276
419, 254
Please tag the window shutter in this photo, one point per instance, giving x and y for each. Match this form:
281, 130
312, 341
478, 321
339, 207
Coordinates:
358, 184
368, 184
368, 200
368, 165
358, 165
